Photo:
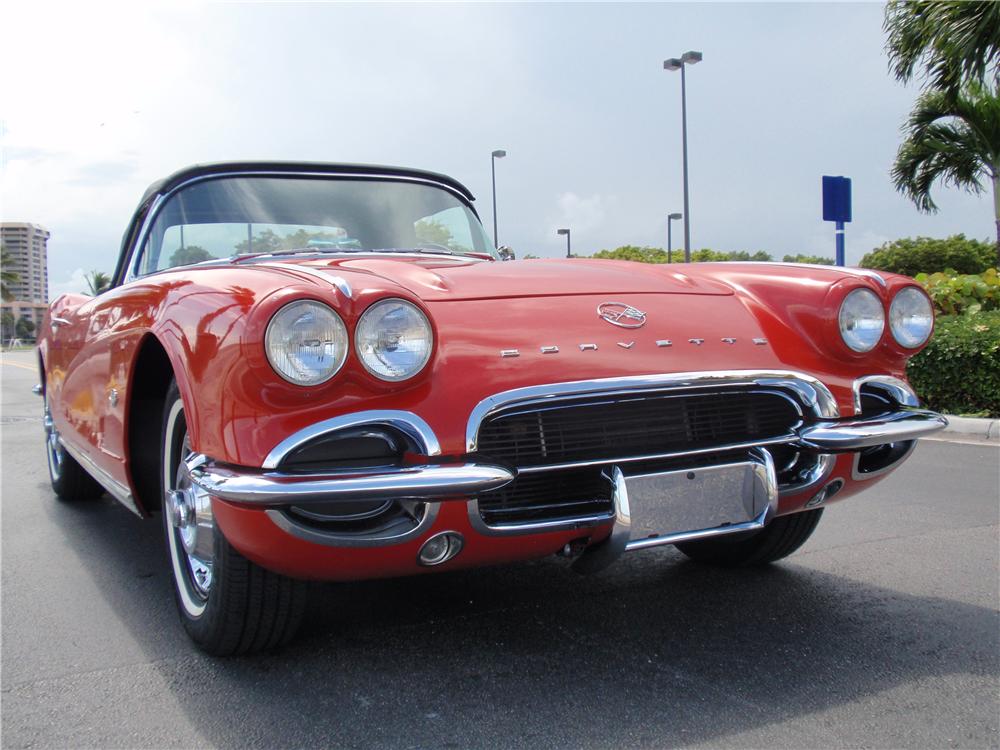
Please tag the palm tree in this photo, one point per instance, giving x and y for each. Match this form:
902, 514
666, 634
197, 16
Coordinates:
7, 277
953, 40
98, 281
953, 138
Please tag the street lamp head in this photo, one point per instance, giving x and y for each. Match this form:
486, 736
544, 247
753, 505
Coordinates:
691, 57
562, 231
672, 64
499, 154
674, 217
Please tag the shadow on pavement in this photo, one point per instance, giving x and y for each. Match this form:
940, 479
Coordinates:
655, 651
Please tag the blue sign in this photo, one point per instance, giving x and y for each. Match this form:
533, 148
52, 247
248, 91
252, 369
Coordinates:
836, 198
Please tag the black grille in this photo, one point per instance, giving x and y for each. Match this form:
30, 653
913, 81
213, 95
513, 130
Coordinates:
592, 429
548, 496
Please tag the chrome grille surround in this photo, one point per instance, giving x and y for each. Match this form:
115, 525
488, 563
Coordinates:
811, 398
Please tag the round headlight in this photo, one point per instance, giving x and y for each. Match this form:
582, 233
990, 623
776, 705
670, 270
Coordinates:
306, 342
911, 317
862, 320
393, 340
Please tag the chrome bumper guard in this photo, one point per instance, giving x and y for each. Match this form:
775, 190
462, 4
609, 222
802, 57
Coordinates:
755, 498
411, 482
855, 434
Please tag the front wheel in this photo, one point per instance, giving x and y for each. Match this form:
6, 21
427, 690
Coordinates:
227, 604
70, 481
778, 539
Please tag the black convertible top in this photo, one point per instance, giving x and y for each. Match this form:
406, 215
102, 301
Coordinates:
307, 167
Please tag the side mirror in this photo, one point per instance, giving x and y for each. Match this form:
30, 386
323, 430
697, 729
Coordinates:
506, 253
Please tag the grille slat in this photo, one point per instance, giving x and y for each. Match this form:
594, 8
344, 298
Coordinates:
598, 427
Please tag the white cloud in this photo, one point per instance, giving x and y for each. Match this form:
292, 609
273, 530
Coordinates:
75, 284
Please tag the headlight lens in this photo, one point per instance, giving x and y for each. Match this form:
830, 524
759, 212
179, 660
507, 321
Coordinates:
911, 317
862, 320
306, 342
393, 340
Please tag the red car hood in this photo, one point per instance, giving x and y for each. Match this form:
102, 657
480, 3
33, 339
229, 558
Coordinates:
434, 279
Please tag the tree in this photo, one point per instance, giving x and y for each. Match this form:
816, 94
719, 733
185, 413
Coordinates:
97, 282
954, 41
632, 252
265, 242
24, 328
6, 324
954, 138
816, 260
185, 256
429, 230
7, 277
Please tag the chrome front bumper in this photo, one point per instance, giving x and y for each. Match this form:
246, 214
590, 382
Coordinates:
460, 481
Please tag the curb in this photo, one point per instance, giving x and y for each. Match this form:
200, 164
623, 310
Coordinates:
985, 428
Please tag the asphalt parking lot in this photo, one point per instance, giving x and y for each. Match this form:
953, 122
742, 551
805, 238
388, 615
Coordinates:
882, 631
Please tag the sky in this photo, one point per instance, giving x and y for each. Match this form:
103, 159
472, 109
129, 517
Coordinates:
98, 101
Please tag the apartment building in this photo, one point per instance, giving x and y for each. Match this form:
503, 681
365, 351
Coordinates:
27, 249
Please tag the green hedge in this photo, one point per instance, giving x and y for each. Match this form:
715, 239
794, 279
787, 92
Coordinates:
969, 293
705, 255
927, 255
959, 371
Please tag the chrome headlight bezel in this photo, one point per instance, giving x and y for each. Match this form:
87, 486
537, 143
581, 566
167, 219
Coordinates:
280, 334
861, 304
370, 328
898, 317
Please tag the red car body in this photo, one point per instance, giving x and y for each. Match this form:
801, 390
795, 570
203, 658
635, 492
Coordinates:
533, 328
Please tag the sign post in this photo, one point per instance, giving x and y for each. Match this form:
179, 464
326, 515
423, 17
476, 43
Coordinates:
837, 208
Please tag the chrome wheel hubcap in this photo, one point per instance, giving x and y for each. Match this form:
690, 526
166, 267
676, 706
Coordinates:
52, 448
188, 518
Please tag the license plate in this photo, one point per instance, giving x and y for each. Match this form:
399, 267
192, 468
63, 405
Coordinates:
693, 499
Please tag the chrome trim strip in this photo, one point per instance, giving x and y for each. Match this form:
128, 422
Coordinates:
415, 428
784, 440
898, 390
130, 272
417, 482
332, 539
811, 392
908, 424
862, 475
116, 489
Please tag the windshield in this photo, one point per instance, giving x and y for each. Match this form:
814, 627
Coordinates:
227, 216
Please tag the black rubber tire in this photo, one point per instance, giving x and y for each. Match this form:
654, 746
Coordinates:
70, 481
247, 608
778, 539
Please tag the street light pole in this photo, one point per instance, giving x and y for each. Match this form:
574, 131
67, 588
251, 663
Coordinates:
670, 244
566, 232
498, 154
688, 58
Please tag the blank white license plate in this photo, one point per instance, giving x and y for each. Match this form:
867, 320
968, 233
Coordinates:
693, 499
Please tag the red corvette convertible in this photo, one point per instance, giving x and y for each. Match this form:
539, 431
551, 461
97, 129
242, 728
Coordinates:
323, 371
